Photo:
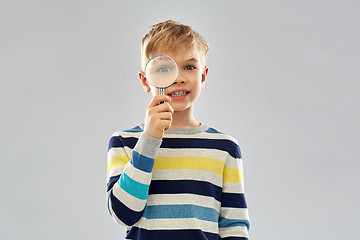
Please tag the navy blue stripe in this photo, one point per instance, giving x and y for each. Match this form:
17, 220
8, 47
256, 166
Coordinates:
221, 144
115, 141
112, 181
185, 186
118, 141
188, 234
125, 214
233, 200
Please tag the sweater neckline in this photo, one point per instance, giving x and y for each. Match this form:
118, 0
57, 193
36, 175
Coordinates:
199, 129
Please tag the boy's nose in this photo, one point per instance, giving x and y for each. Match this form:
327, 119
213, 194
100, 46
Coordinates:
180, 79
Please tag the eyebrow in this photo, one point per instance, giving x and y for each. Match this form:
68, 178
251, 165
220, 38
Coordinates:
192, 59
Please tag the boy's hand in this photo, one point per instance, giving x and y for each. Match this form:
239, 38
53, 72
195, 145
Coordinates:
158, 117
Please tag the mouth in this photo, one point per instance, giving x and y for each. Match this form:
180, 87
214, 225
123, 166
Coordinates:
178, 93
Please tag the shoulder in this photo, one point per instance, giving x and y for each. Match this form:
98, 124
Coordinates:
128, 132
126, 137
216, 134
225, 140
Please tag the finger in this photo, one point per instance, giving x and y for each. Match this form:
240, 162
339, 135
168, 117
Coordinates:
165, 107
165, 116
159, 98
167, 124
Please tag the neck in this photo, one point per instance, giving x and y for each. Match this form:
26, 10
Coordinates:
184, 119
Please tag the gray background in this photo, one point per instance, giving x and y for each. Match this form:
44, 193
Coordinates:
283, 80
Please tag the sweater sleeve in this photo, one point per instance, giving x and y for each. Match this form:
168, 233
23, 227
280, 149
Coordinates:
234, 219
129, 177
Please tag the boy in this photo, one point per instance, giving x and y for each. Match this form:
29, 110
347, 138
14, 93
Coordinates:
173, 177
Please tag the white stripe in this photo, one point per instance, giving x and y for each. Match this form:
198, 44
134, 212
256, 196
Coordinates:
235, 213
187, 174
128, 200
177, 224
203, 135
192, 152
137, 174
174, 199
233, 163
116, 171
175, 152
126, 134
233, 187
238, 231
114, 151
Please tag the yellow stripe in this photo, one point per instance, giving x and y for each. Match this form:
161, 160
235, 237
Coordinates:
118, 160
201, 163
233, 175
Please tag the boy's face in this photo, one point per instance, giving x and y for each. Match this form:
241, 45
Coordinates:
191, 79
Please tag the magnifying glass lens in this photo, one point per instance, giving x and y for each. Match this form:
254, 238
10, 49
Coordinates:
161, 71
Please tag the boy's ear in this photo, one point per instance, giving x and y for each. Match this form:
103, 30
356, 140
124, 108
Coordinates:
144, 82
203, 76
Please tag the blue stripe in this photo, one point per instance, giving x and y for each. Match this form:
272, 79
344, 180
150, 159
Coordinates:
181, 211
138, 129
133, 187
188, 234
125, 214
134, 129
226, 222
177, 143
236, 200
185, 186
141, 162
212, 130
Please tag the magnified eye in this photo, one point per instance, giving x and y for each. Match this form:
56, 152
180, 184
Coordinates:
164, 69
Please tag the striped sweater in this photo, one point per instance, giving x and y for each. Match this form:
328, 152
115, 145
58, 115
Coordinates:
189, 185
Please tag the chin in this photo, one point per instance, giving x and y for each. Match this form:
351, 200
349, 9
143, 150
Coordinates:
180, 107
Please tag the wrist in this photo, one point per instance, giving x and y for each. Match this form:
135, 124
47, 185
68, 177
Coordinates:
154, 134
147, 145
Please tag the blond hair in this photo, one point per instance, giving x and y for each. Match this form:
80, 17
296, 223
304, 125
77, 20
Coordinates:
174, 37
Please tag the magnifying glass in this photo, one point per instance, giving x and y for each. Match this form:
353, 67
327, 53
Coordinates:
161, 72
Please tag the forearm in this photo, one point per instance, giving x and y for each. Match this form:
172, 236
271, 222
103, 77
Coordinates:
234, 218
128, 191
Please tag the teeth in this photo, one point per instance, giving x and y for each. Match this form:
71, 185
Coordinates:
178, 93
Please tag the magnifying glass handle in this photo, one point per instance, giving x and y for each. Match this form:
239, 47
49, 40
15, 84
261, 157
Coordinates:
161, 92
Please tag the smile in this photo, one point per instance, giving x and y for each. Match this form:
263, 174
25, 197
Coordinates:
177, 94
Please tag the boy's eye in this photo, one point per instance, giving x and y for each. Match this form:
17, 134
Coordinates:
190, 67
164, 69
